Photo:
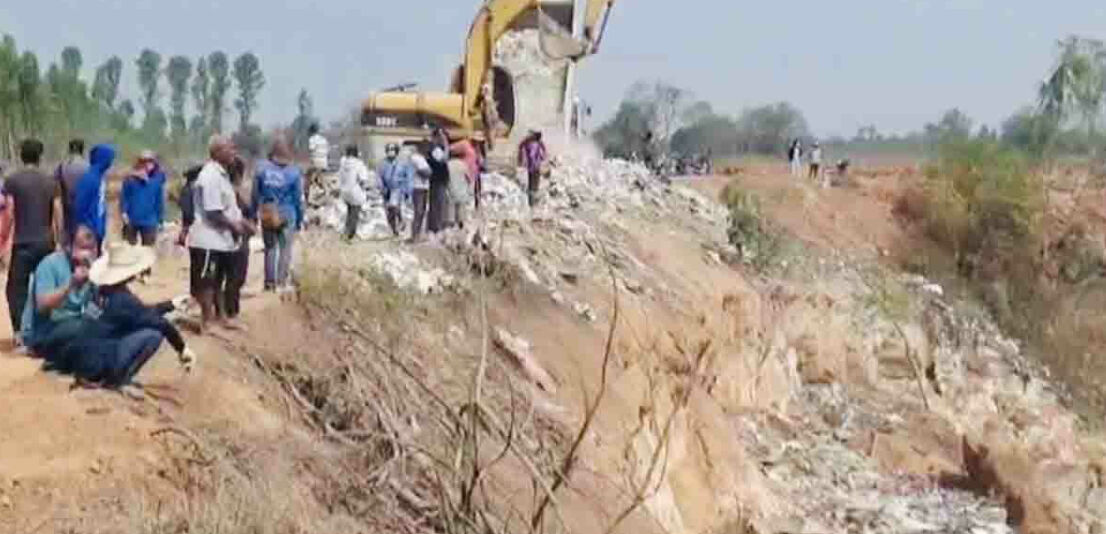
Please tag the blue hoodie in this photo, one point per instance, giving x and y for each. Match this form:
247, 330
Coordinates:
143, 201
89, 207
282, 185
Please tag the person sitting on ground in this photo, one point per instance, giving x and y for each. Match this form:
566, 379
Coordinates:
219, 226
278, 203
113, 347
89, 207
68, 173
352, 177
142, 202
59, 295
395, 185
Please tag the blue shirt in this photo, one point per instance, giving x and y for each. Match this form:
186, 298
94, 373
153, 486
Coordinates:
89, 206
395, 175
143, 200
53, 273
280, 185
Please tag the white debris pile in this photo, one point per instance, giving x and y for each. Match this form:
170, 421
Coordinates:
407, 272
325, 208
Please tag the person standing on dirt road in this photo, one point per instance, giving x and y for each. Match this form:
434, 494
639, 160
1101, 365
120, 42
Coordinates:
816, 161
795, 157
142, 201
395, 185
420, 187
352, 177
278, 203
218, 229
68, 173
90, 204
36, 226
231, 301
319, 148
531, 156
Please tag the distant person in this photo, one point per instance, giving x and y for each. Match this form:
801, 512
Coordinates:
466, 152
532, 155
795, 157
319, 148
60, 295
218, 229
816, 161
231, 294
114, 346
420, 187
352, 177
36, 226
68, 173
438, 159
90, 205
278, 203
187, 204
142, 201
396, 181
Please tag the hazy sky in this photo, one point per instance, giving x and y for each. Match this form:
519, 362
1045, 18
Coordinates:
894, 63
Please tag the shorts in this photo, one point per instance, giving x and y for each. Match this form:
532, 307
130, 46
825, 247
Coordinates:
208, 268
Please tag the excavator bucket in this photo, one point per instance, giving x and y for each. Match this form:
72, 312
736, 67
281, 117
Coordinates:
557, 41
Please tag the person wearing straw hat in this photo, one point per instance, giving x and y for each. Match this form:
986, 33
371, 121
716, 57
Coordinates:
113, 347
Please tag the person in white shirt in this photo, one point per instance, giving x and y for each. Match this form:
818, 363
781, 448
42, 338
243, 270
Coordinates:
352, 177
420, 187
218, 229
816, 161
320, 159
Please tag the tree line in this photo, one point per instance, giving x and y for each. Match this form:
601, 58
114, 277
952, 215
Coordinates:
60, 104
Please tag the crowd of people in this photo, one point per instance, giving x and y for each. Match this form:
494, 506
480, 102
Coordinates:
68, 286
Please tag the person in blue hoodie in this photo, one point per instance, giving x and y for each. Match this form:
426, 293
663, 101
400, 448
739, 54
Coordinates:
142, 201
90, 206
278, 203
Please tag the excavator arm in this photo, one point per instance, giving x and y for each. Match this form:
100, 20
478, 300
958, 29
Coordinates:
595, 22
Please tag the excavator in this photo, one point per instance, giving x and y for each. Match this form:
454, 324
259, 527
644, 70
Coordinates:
481, 102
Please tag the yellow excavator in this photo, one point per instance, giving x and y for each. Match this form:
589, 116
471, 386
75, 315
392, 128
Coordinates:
481, 102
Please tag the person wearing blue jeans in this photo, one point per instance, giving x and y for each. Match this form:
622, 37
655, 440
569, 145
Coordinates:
278, 203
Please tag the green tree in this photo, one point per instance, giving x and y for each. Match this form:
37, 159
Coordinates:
127, 111
1075, 83
219, 69
247, 72
30, 100
201, 101
624, 134
149, 76
715, 134
178, 72
953, 126
71, 62
9, 93
768, 129
105, 87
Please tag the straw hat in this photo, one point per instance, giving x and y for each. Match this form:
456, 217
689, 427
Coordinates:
121, 263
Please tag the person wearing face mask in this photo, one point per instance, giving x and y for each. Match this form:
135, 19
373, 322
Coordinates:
395, 184
142, 202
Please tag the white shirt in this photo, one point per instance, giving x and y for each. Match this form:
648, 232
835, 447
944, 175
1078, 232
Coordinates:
320, 151
214, 192
422, 171
352, 176
816, 156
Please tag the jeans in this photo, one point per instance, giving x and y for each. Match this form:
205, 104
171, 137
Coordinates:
135, 350
278, 255
533, 186
24, 261
353, 219
419, 199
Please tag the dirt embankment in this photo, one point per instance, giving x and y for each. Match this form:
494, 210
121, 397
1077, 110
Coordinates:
597, 366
